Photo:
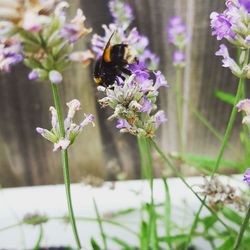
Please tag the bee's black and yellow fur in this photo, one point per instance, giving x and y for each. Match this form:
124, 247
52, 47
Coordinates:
113, 64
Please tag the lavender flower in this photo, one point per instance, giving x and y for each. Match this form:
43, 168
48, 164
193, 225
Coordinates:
49, 55
55, 77
233, 23
246, 4
178, 36
31, 15
71, 129
134, 102
228, 62
177, 32
123, 34
121, 12
74, 30
222, 28
246, 177
10, 53
244, 105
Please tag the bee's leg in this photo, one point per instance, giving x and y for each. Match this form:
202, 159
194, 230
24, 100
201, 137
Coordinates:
124, 70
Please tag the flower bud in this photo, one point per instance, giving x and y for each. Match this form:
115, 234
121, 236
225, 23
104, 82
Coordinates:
55, 77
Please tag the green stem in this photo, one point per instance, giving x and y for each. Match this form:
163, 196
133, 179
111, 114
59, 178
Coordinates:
167, 214
64, 155
153, 222
39, 240
179, 105
100, 226
173, 168
242, 229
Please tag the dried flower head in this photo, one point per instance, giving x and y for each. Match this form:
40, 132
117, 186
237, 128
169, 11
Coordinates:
91, 180
35, 219
220, 194
71, 129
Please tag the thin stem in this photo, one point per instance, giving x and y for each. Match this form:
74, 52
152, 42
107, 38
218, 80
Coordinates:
39, 240
99, 220
242, 229
179, 104
153, 223
167, 214
173, 168
65, 161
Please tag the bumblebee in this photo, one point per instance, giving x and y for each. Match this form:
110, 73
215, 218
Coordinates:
113, 64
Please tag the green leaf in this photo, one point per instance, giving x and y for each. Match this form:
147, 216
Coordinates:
232, 216
207, 163
209, 221
228, 243
121, 243
225, 97
94, 244
144, 236
32, 63
28, 37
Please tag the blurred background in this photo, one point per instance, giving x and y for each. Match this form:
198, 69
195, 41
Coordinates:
27, 159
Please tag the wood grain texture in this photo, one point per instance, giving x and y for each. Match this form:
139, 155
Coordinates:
27, 159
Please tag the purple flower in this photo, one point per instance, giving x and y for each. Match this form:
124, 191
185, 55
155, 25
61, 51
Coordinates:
160, 118
244, 105
246, 177
146, 105
222, 27
246, 4
10, 53
74, 30
122, 123
121, 12
228, 62
71, 128
160, 80
33, 75
55, 76
177, 32
179, 58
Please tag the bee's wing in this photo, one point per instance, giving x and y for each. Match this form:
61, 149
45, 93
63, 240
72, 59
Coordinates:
106, 47
108, 43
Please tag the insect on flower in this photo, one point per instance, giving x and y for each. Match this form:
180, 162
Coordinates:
113, 63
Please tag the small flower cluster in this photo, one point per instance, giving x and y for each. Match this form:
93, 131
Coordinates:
233, 25
123, 34
244, 105
10, 53
134, 102
71, 129
246, 177
121, 13
220, 194
45, 40
178, 36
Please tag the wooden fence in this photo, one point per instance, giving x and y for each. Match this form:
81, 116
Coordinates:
27, 159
